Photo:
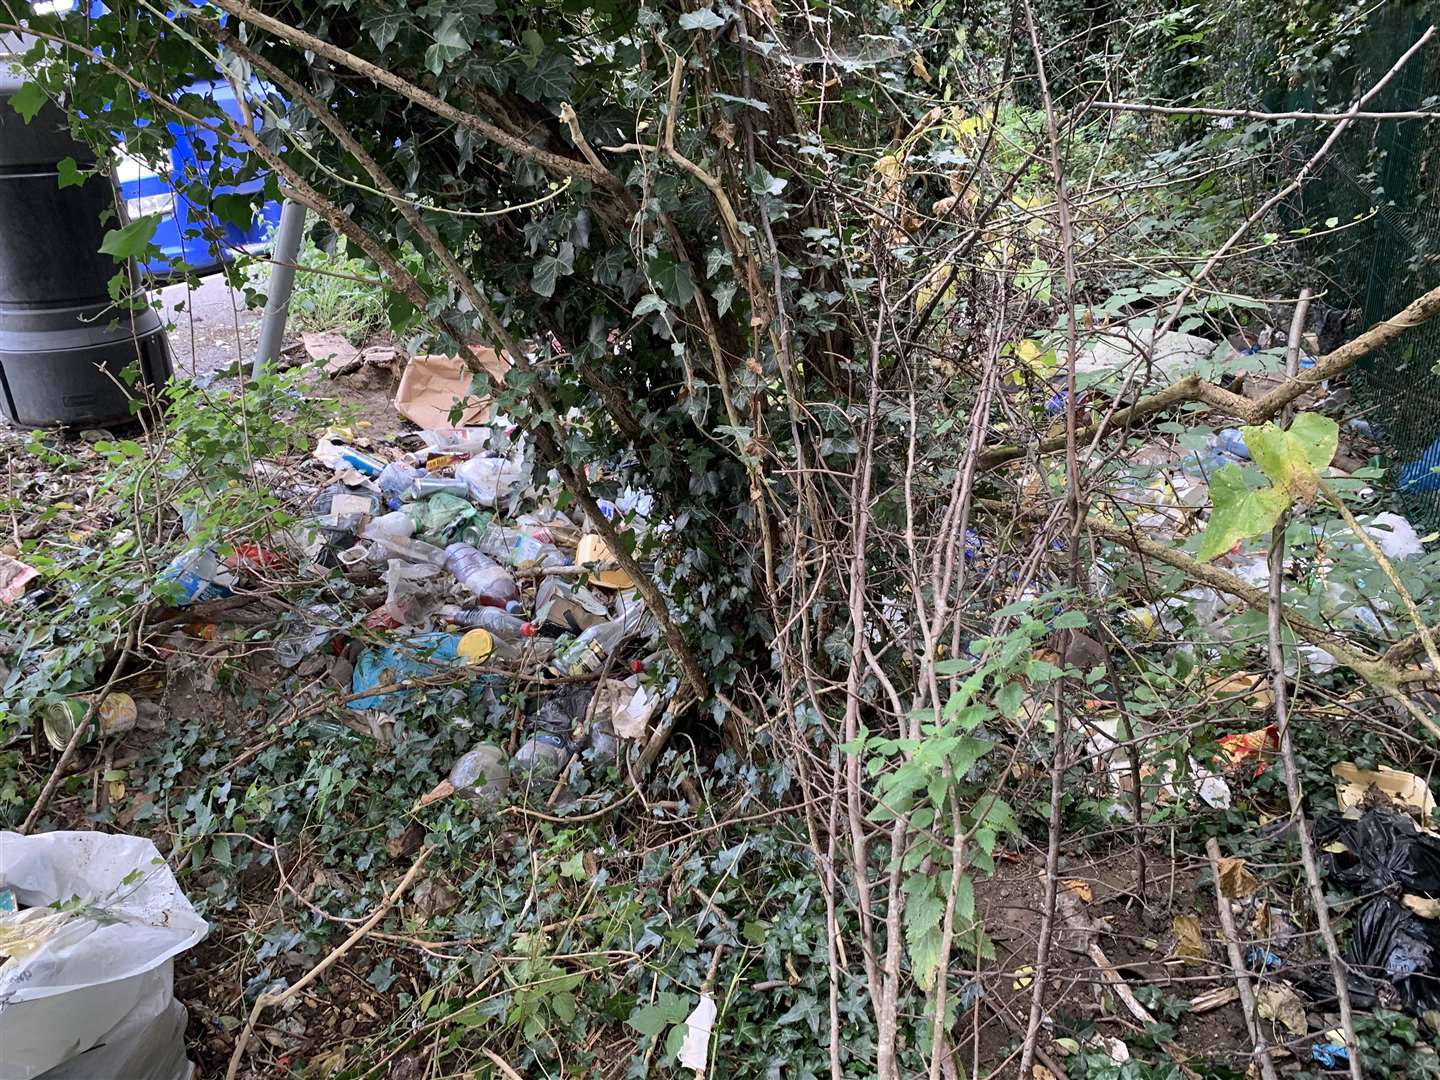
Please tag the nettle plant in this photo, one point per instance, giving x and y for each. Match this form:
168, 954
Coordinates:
938, 784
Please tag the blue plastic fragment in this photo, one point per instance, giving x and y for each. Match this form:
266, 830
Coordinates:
1263, 959
1330, 1055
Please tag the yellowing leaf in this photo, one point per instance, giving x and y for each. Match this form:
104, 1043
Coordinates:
1278, 1002
1189, 939
1291, 459
1024, 976
1236, 880
1240, 511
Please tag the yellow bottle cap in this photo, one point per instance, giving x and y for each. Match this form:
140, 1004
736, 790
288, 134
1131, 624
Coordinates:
476, 646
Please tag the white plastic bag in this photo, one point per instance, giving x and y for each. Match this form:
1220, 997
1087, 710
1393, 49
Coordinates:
91, 972
493, 479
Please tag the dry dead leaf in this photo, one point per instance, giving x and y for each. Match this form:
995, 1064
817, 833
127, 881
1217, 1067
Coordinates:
1236, 880
1042, 1073
1281, 1004
1189, 938
1080, 888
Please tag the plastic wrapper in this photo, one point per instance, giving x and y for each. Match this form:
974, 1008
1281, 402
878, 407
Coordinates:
413, 591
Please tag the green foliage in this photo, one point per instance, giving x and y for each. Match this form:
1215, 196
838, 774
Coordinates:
102, 579
1290, 459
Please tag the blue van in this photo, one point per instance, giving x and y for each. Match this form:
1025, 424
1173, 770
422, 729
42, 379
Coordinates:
189, 232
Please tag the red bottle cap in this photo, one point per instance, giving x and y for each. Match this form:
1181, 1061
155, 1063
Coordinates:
528, 630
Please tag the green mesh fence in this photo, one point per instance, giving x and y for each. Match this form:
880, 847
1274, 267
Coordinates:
1382, 184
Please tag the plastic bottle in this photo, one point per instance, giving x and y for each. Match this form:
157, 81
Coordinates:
500, 623
541, 757
486, 580
395, 480
587, 652
481, 775
408, 548
511, 547
396, 525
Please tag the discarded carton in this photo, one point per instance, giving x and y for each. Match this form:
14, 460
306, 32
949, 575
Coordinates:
1402, 787
432, 384
594, 550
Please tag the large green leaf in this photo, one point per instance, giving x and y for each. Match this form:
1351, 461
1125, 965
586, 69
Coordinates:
130, 241
1292, 458
548, 79
1240, 511
549, 269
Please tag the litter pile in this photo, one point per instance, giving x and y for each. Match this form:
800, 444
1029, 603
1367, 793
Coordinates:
486, 584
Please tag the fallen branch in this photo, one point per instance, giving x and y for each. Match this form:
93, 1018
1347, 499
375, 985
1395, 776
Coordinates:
265, 1000
1194, 388
1237, 966
1127, 997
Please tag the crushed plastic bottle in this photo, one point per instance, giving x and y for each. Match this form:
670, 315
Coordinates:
485, 579
196, 575
404, 547
481, 775
395, 482
502, 624
511, 547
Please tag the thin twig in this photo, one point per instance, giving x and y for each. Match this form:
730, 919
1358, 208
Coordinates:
265, 1000
1237, 966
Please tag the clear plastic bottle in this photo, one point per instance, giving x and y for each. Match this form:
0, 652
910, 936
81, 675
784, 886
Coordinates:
486, 580
588, 651
500, 623
408, 548
540, 758
481, 775
511, 547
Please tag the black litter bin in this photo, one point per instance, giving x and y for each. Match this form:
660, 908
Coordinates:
63, 343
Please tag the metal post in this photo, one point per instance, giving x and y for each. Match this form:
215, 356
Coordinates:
283, 258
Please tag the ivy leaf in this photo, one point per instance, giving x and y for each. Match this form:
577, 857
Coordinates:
649, 304
28, 100
549, 269
450, 43
70, 174
673, 278
724, 297
383, 28
131, 241
703, 19
1240, 511
548, 79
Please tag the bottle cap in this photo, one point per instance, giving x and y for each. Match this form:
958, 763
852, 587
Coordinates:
528, 630
513, 607
475, 646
